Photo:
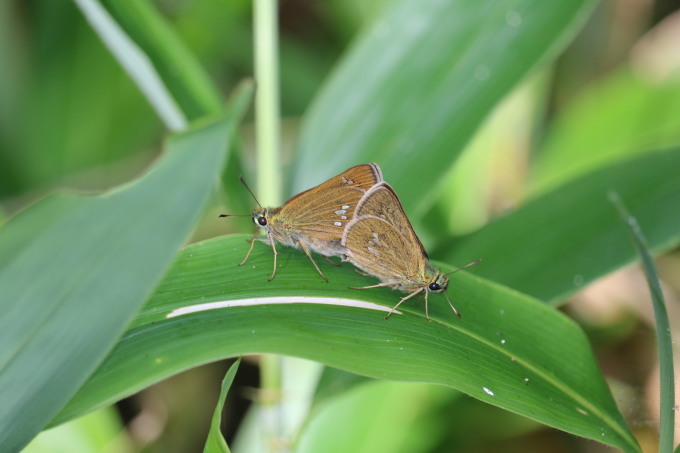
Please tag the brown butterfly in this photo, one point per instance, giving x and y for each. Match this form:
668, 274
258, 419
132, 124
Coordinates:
315, 219
380, 240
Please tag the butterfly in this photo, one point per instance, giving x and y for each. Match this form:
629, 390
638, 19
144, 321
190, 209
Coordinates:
381, 241
314, 220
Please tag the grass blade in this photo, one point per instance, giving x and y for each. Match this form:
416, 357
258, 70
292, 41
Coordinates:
215, 442
663, 328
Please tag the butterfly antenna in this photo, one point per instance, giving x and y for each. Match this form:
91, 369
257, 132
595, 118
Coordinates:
236, 215
465, 267
251, 192
449, 300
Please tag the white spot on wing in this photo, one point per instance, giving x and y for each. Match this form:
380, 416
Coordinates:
346, 206
343, 217
342, 211
374, 251
337, 223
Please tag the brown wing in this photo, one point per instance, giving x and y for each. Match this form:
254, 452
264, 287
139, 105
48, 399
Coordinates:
323, 211
361, 177
381, 201
378, 248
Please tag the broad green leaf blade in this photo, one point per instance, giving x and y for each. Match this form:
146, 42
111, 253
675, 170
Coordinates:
577, 227
68, 289
508, 349
663, 328
418, 83
215, 442
190, 85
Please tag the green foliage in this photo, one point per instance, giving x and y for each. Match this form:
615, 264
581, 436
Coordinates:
663, 329
454, 60
412, 90
490, 353
98, 258
216, 442
575, 222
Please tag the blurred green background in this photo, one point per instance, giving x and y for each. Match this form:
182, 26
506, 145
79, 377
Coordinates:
71, 118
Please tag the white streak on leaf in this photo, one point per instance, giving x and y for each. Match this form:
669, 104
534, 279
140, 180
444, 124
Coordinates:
278, 300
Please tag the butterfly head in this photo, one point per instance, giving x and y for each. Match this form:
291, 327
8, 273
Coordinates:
439, 283
261, 217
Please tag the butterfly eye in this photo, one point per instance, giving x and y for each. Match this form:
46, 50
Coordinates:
434, 287
262, 220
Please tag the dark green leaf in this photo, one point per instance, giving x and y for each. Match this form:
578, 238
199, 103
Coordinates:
420, 80
75, 269
492, 353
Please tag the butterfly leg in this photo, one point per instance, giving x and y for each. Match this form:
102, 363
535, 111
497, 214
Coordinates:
404, 299
451, 305
330, 261
271, 241
252, 243
381, 285
304, 249
362, 273
427, 312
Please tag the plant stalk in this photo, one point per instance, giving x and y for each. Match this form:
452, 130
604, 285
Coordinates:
267, 139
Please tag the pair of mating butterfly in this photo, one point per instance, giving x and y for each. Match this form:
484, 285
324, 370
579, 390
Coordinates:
358, 216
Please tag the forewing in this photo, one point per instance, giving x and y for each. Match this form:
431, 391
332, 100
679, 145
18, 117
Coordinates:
322, 212
381, 201
378, 248
361, 177
325, 215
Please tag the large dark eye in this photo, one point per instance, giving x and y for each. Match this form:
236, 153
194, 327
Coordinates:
434, 287
262, 220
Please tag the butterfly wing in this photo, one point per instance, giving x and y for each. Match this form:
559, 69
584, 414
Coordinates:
379, 248
361, 177
381, 201
322, 212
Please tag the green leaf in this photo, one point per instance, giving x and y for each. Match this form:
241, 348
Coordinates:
215, 442
184, 77
383, 417
577, 228
96, 432
490, 354
663, 328
135, 62
623, 115
74, 269
420, 80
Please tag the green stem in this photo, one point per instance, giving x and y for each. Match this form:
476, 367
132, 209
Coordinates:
267, 133
267, 103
